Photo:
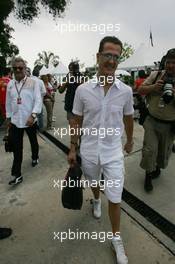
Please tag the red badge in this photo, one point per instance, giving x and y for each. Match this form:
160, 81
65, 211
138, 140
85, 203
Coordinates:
19, 100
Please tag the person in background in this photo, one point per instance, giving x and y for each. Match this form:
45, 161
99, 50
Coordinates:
53, 87
72, 81
35, 76
48, 102
139, 99
28, 71
161, 68
139, 80
4, 80
23, 103
159, 125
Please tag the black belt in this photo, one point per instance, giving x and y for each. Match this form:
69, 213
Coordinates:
162, 121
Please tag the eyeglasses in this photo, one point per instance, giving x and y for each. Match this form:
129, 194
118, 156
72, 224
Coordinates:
18, 68
109, 56
170, 62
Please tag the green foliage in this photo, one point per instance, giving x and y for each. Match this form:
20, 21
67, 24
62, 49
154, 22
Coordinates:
127, 52
6, 8
25, 11
7, 48
45, 58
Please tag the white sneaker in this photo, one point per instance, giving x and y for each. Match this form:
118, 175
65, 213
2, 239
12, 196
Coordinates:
97, 208
118, 248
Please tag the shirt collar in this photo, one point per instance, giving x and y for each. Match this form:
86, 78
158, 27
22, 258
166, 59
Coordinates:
22, 81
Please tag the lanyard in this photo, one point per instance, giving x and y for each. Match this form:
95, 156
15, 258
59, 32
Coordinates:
19, 91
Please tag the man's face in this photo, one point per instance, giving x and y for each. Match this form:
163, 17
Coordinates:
170, 66
19, 70
108, 59
49, 77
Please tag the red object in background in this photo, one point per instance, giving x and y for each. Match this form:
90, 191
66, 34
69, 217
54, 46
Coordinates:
138, 83
3, 87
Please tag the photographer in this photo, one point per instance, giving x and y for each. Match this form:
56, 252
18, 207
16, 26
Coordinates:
159, 125
73, 80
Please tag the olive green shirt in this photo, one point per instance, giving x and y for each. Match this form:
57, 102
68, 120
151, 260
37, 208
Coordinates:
156, 106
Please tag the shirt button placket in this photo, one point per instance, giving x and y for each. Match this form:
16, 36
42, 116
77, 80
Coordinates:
102, 119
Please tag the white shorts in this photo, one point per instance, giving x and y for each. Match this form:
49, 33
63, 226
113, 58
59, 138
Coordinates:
113, 177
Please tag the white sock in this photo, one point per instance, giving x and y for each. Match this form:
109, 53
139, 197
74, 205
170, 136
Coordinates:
97, 200
116, 236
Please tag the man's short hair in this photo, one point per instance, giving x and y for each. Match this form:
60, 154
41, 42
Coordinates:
73, 64
141, 74
110, 39
18, 59
170, 54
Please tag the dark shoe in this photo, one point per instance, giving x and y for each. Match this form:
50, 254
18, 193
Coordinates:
156, 173
16, 180
148, 182
35, 162
5, 232
173, 148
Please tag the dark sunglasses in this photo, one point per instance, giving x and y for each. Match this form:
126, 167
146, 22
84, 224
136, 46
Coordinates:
109, 56
18, 68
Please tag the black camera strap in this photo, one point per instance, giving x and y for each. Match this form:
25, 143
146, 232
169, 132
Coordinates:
157, 76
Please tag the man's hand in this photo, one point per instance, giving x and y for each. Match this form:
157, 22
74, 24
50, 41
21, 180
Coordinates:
72, 158
30, 121
158, 85
128, 147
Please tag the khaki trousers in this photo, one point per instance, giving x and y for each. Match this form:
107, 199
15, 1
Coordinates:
49, 109
157, 144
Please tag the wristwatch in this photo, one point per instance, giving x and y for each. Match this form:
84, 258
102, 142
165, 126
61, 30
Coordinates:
33, 115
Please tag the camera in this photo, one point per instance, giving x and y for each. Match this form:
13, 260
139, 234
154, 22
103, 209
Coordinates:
168, 94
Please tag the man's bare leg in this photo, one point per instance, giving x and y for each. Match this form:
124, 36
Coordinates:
117, 244
96, 192
114, 215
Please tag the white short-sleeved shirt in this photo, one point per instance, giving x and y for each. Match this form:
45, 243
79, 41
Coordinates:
102, 119
41, 85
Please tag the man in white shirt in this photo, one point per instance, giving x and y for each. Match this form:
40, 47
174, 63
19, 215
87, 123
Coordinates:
23, 103
35, 76
102, 110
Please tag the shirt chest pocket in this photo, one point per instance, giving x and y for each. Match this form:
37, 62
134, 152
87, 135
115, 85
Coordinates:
115, 116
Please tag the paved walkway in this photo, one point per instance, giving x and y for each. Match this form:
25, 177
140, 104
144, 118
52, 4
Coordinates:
34, 211
162, 199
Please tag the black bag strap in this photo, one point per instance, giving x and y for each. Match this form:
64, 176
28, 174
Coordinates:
157, 76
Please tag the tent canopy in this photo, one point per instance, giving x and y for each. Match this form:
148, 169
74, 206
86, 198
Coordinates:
60, 69
143, 56
122, 72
